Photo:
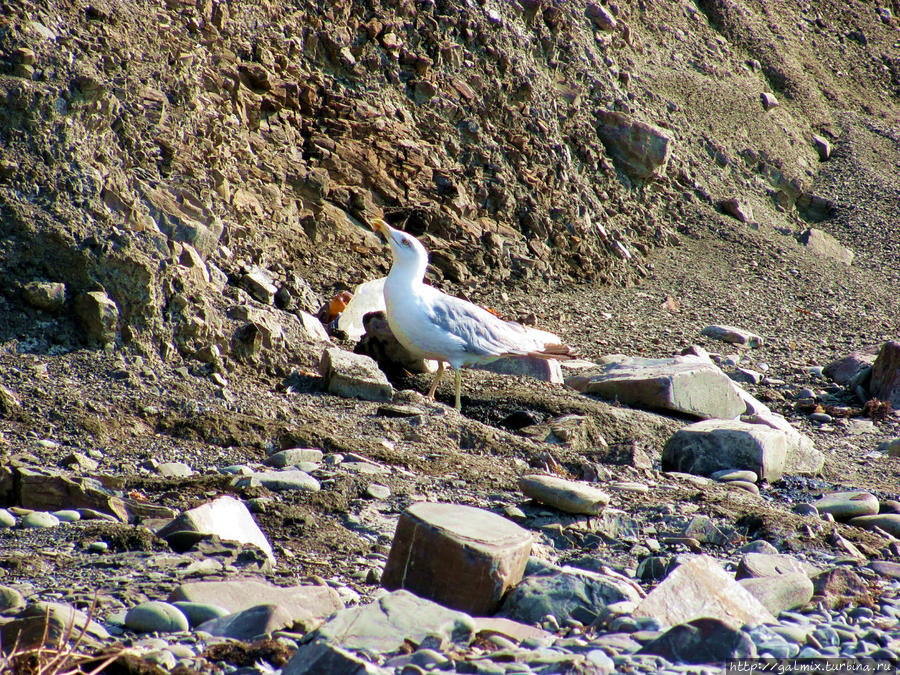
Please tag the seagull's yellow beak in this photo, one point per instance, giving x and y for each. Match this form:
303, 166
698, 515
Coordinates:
380, 226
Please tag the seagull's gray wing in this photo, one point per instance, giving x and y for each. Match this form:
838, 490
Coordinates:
476, 331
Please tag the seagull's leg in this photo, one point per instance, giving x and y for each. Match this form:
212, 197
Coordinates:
458, 373
437, 378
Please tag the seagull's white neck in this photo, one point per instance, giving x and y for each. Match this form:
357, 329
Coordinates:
408, 270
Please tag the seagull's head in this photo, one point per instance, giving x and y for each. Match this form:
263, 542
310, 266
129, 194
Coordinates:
408, 251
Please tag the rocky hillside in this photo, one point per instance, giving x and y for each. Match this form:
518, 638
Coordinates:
184, 184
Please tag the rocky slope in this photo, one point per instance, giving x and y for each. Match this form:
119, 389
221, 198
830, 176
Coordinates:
182, 184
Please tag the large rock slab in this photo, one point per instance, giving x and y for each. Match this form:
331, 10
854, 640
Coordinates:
307, 605
701, 588
384, 626
801, 456
568, 593
566, 495
353, 376
683, 384
642, 149
225, 517
712, 445
885, 382
48, 490
459, 556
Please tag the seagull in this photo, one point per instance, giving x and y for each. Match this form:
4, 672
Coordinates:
434, 325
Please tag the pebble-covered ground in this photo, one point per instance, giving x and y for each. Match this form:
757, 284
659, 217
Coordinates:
182, 186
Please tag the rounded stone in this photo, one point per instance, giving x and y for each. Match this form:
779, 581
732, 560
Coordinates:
7, 519
98, 547
726, 475
156, 616
10, 599
805, 510
198, 612
844, 505
377, 491
744, 485
67, 515
40, 519
821, 418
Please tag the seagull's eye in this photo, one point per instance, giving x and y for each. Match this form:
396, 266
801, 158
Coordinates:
405, 242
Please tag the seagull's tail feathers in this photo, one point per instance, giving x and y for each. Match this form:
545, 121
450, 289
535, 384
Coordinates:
548, 345
560, 352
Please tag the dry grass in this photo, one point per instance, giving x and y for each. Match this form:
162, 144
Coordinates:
66, 657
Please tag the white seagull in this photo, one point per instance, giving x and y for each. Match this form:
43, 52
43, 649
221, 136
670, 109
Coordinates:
434, 325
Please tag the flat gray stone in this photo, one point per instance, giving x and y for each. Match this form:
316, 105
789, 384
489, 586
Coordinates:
733, 335
199, 612
39, 519
683, 384
307, 605
294, 457
385, 625
226, 517
780, 592
284, 479
566, 495
845, 505
250, 624
568, 593
701, 588
889, 522
156, 617
353, 376
713, 445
